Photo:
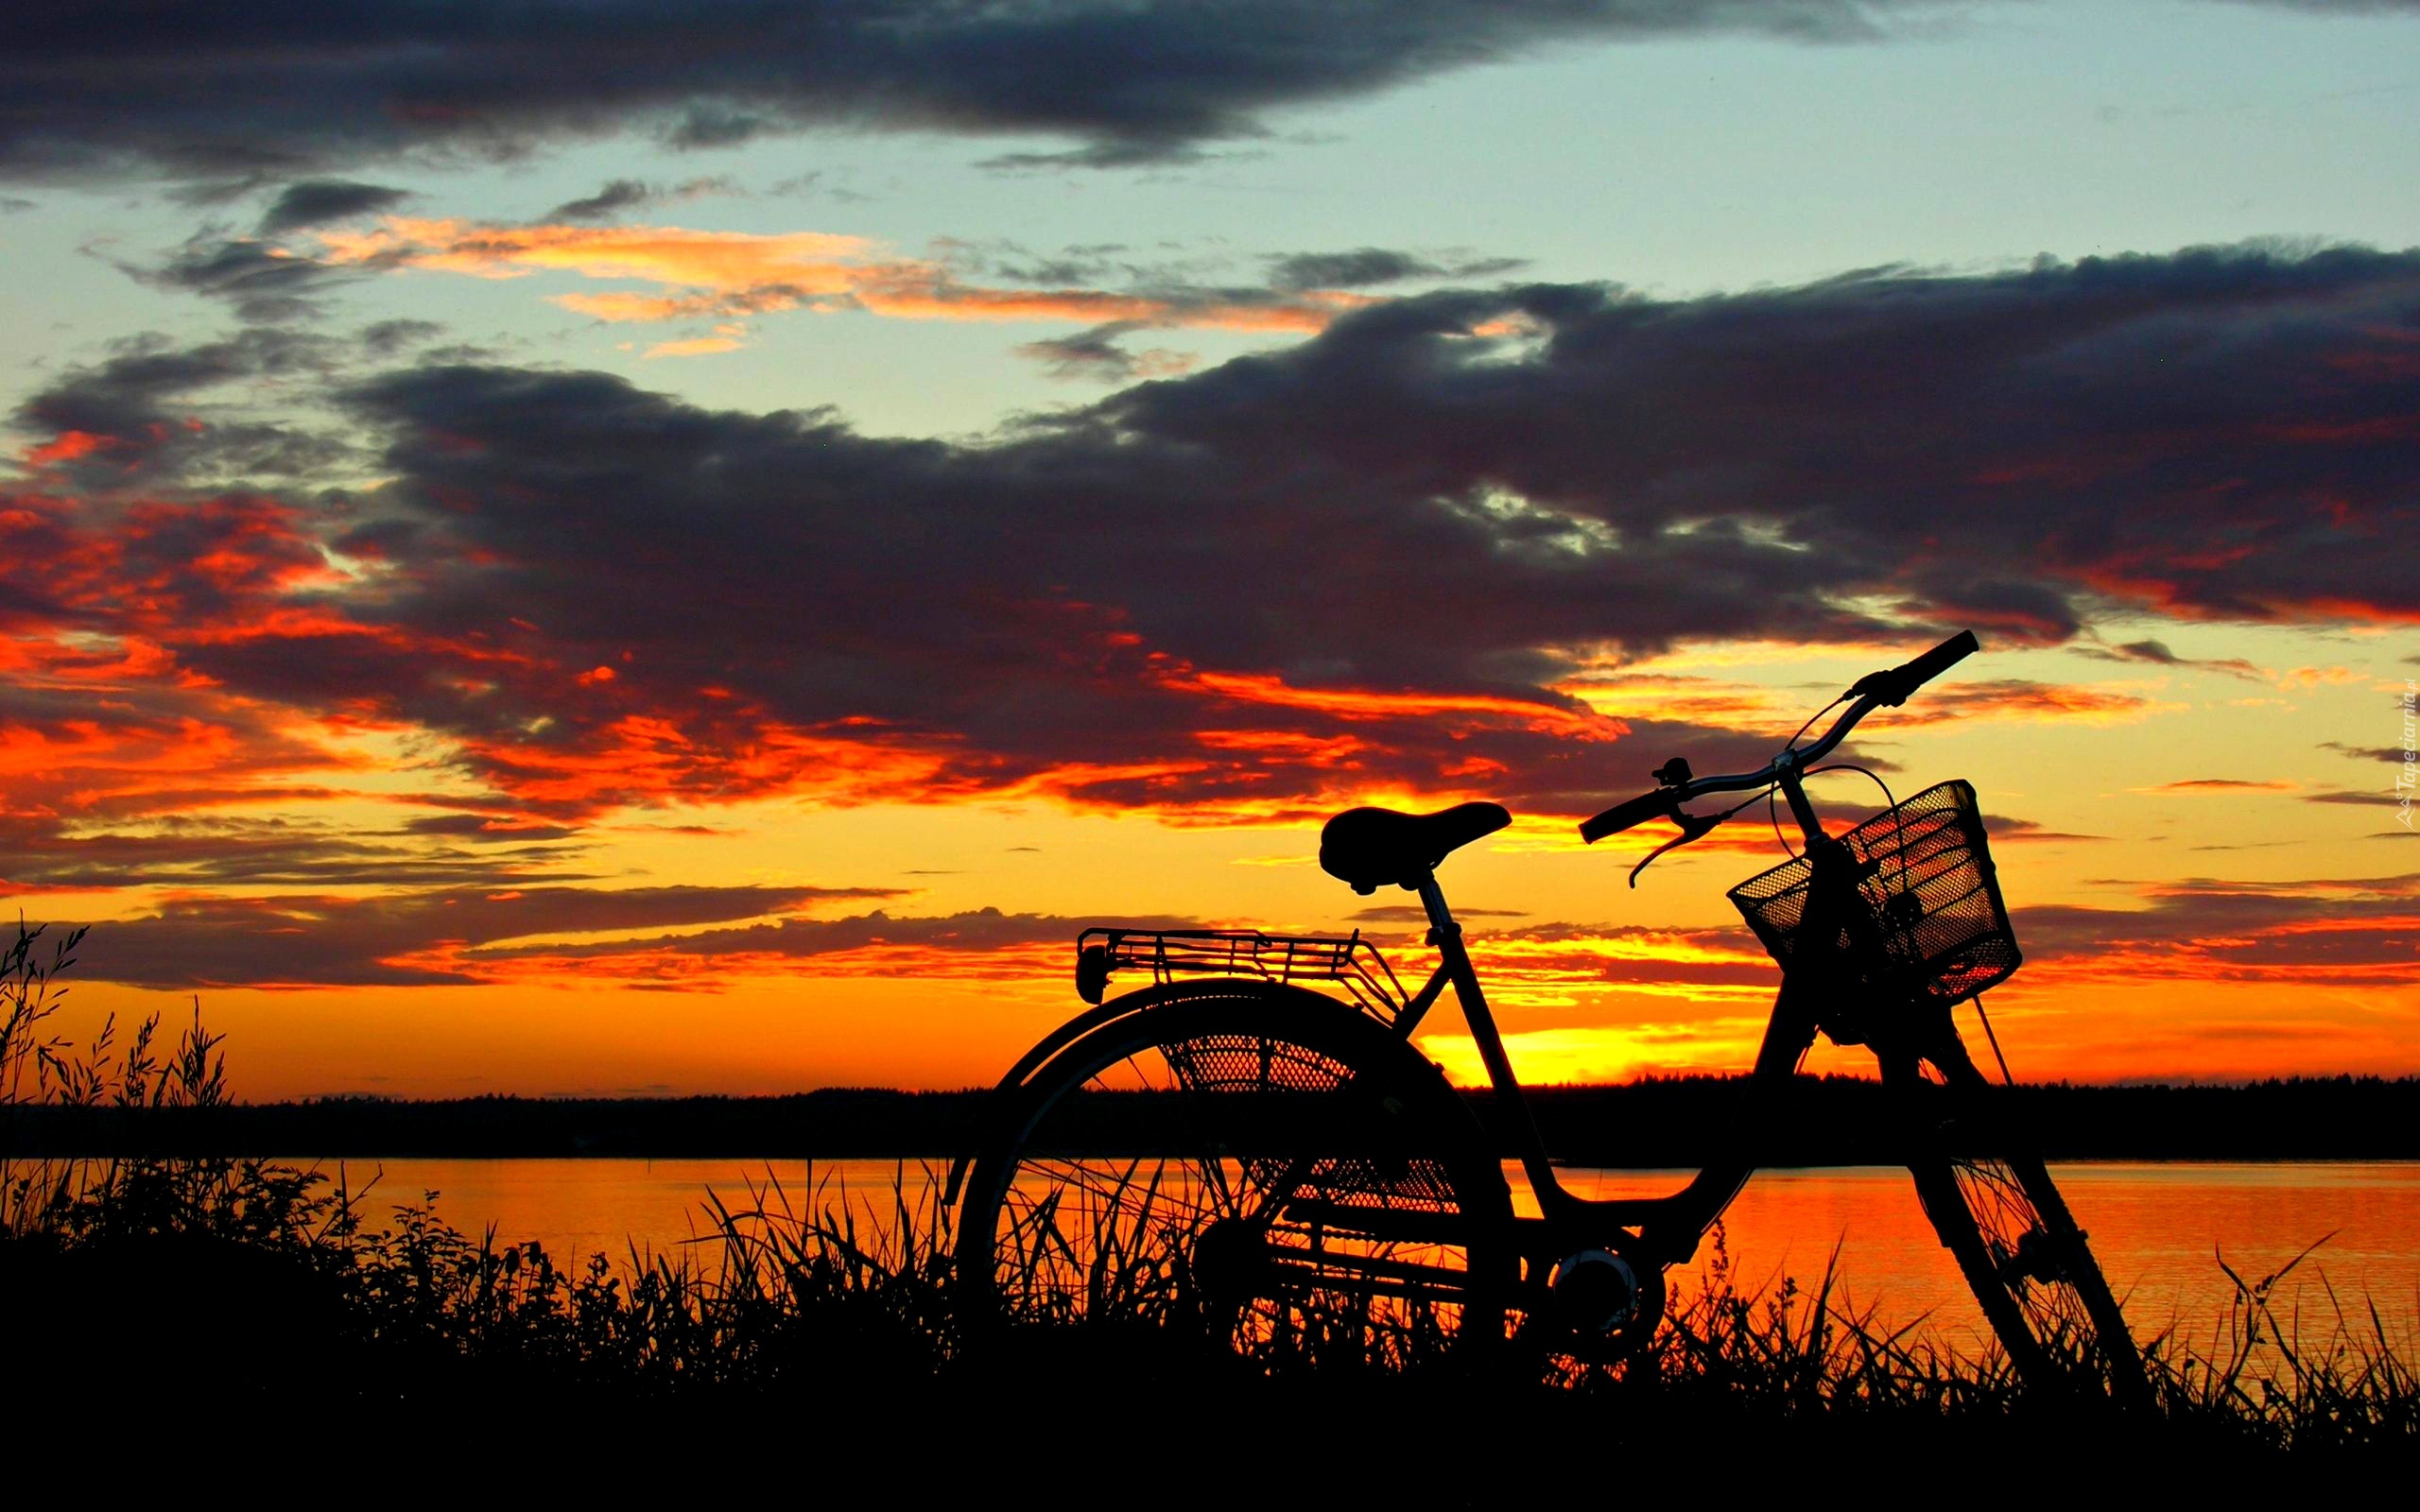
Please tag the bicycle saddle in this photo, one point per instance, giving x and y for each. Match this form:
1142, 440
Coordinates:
1372, 847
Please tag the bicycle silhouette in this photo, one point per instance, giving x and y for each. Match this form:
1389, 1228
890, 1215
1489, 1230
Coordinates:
1250, 1144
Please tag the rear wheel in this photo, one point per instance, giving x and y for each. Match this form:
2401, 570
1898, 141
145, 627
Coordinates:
1253, 1163
1997, 1211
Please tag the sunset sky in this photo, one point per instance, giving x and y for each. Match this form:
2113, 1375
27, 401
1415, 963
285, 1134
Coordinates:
635, 547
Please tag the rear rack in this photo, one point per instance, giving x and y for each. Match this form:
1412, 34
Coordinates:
1347, 961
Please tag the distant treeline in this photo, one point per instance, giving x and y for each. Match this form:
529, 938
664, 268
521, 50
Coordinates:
1830, 1121
1851, 1121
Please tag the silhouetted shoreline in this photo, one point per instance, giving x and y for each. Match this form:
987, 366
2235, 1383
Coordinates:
1834, 1121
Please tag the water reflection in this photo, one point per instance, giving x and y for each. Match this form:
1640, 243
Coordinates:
2158, 1229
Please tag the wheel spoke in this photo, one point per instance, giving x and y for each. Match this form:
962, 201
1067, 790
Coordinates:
1342, 1231
2028, 1264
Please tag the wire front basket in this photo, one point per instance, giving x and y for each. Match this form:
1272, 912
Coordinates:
1931, 925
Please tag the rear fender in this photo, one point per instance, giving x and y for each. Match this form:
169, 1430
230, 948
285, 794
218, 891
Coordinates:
1127, 1005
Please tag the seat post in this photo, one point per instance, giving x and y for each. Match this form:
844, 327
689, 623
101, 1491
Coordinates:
1432, 897
1514, 1118
1445, 937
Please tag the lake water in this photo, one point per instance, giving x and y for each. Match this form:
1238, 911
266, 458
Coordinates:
2159, 1229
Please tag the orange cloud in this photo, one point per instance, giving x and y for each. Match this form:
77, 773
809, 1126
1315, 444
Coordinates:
2022, 698
2204, 786
706, 273
1685, 700
695, 347
804, 262
1360, 704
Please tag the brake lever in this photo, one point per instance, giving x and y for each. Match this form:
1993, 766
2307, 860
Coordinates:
1693, 827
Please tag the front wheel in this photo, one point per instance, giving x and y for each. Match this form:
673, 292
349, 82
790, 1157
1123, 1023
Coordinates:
1254, 1164
1996, 1209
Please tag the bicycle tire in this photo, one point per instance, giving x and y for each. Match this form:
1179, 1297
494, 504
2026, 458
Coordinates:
1996, 1209
1395, 1246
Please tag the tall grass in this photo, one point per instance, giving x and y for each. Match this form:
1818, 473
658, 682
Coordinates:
86, 1198
2342, 1378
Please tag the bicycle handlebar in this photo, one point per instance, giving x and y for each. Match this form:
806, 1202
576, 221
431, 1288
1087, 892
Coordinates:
1891, 686
1629, 811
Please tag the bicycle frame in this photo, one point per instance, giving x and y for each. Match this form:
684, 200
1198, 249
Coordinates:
1661, 1230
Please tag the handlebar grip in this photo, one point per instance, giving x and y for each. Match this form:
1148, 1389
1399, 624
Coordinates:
1892, 687
1630, 811
1940, 659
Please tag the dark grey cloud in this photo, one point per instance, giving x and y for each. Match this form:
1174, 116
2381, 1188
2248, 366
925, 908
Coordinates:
421, 937
2155, 653
141, 409
1140, 153
294, 86
1091, 263
2392, 755
131, 389
459, 936
318, 201
1370, 559
619, 195
2005, 830
487, 827
1016, 586
1097, 355
205, 851
702, 125
1370, 267
2005, 449
385, 338
209, 194
616, 196
2349, 933
264, 283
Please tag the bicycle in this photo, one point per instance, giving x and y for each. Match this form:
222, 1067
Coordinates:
1250, 1144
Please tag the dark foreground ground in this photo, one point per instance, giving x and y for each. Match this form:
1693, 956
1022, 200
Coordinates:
236, 1322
